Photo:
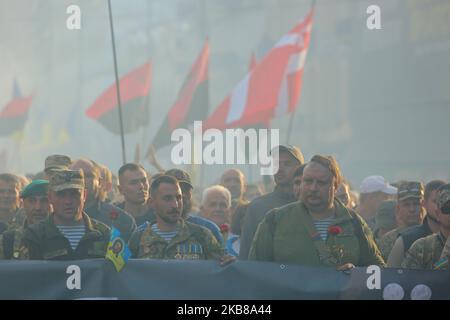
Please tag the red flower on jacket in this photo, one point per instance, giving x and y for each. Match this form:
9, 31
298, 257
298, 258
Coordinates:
335, 230
224, 227
114, 215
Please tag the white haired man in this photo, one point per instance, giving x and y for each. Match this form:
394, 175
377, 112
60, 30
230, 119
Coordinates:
216, 205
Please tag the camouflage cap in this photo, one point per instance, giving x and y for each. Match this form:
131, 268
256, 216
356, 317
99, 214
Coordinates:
181, 175
35, 188
410, 189
385, 217
444, 195
57, 161
67, 179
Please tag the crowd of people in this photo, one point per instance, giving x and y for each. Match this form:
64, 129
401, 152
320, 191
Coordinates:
311, 217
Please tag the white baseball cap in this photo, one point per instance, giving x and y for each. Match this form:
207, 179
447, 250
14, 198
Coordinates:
376, 183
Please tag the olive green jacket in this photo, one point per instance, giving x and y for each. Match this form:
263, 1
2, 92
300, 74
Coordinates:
193, 242
45, 242
288, 235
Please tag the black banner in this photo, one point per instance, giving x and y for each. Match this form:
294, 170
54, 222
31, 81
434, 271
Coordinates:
206, 280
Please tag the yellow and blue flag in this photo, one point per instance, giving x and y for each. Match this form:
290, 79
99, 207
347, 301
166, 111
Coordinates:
118, 251
442, 264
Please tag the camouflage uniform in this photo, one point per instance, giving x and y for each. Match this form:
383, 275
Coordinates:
12, 246
386, 242
192, 242
19, 218
45, 242
424, 253
443, 200
406, 190
446, 250
15, 222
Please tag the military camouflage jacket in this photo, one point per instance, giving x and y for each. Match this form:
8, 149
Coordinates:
45, 242
192, 242
12, 246
446, 250
386, 242
15, 222
288, 234
424, 252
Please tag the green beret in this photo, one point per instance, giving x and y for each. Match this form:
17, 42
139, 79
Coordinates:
35, 188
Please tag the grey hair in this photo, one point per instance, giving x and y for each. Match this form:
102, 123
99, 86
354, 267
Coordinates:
218, 188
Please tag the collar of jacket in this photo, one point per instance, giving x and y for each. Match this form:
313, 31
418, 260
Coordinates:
342, 213
53, 231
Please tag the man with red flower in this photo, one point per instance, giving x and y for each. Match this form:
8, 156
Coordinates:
317, 230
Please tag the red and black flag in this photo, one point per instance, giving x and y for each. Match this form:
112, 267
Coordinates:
134, 92
15, 113
192, 103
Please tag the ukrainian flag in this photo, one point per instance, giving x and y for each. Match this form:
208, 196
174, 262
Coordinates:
118, 251
442, 264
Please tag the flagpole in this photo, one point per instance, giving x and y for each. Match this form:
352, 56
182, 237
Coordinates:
124, 159
292, 117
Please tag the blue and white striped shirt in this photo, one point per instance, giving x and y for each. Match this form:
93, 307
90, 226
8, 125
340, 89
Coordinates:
73, 234
166, 235
322, 227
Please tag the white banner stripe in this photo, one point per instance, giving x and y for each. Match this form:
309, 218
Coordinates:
283, 98
289, 39
297, 61
238, 100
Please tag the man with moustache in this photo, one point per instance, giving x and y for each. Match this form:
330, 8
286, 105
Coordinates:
37, 208
186, 192
318, 230
170, 237
69, 233
290, 158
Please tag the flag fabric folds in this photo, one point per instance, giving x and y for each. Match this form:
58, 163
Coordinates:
14, 115
192, 103
118, 251
134, 93
271, 88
